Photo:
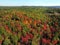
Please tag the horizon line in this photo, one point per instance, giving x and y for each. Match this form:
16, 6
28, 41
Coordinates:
29, 5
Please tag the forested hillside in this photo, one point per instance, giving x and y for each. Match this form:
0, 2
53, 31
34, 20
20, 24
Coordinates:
29, 26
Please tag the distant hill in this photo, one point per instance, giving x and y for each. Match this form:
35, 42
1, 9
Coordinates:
33, 6
52, 6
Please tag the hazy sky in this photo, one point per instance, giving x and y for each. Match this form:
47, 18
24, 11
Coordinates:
29, 2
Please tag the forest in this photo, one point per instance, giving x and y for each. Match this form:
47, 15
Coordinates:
29, 26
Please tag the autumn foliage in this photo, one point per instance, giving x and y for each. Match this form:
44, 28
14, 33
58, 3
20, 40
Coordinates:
28, 26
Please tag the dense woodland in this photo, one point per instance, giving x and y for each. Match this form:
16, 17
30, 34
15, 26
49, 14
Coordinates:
29, 26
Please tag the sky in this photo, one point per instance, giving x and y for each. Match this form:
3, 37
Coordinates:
29, 2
